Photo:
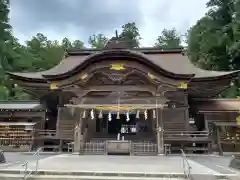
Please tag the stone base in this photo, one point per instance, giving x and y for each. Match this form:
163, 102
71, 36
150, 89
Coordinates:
235, 162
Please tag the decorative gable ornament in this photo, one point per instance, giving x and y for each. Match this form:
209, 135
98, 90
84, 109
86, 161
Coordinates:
151, 76
53, 86
238, 120
117, 67
84, 76
183, 85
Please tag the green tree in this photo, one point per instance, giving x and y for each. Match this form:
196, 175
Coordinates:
130, 34
78, 44
213, 43
98, 41
66, 43
5, 37
168, 39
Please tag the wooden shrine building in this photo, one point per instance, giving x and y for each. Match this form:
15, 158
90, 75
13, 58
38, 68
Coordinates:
135, 101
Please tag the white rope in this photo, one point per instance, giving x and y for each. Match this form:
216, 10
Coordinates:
109, 116
92, 114
127, 117
145, 114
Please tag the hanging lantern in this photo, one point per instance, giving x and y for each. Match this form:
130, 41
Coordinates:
92, 114
109, 116
145, 115
127, 117
118, 115
84, 114
154, 114
137, 115
100, 115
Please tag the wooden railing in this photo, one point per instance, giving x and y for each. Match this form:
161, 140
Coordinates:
186, 135
227, 139
47, 134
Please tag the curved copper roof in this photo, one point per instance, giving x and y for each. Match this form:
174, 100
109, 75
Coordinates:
173, 63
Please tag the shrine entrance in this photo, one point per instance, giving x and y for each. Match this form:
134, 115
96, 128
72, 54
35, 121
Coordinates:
120, 103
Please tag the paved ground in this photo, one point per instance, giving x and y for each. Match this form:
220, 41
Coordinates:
67, 163
152, 164
15, 157
216, 163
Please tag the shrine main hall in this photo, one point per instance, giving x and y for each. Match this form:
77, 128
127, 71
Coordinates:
126, 101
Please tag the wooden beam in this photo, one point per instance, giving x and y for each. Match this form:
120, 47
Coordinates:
122, 88
135, 106
121, 100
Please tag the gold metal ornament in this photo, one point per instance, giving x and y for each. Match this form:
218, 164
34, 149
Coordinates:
84, 76
183, 85
151, 76
117, 67
53, 86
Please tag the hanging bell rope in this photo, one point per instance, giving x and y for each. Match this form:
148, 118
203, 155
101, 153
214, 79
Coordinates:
127, 117
92, 114
84, 114
100, 115
109, 116
145, 115
118, 115
137, 114
154, 114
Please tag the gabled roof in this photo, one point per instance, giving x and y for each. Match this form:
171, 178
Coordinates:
172, 62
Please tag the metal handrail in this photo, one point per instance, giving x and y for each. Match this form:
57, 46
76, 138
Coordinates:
28, 173
186, 166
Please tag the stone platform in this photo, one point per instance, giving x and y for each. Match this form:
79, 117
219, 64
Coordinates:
67, 166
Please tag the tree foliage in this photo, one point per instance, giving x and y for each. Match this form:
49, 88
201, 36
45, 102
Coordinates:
214, 42
168, 39
130, 34
98, 41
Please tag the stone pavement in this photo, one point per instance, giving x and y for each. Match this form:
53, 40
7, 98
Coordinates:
150, 167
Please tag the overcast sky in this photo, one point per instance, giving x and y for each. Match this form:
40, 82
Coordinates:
78, 19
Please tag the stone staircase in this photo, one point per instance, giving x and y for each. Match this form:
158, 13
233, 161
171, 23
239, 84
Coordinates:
65, 129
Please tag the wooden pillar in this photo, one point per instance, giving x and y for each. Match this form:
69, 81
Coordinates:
60, 145
78, 135
219, 142
160, 141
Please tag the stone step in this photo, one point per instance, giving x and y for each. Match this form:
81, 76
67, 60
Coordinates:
8, 174
70, 177
95, 173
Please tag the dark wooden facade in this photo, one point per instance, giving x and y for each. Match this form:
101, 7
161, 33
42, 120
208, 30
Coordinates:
161, 85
